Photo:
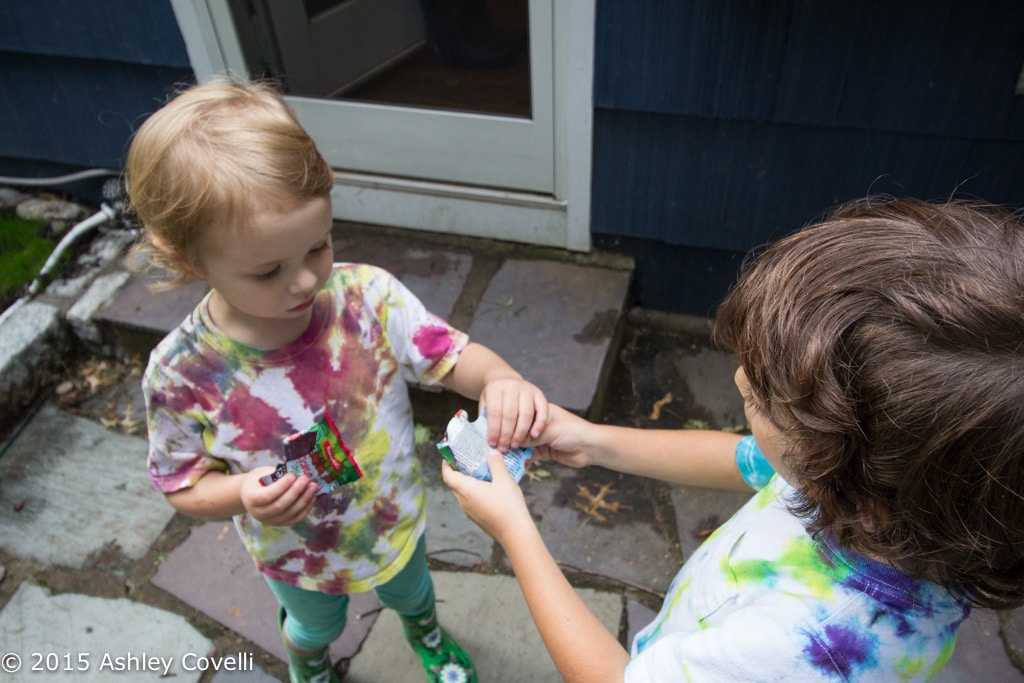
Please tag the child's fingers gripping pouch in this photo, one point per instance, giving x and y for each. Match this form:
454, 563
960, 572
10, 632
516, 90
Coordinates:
320, 454
465, 448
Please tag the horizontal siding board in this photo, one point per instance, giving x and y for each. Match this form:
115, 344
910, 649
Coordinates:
939, 67
734, 185
135, 31
77, 112
715, 58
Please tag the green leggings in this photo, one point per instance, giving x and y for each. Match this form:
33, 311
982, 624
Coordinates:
316, 619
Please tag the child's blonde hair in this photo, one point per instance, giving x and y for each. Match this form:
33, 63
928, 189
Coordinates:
211, 157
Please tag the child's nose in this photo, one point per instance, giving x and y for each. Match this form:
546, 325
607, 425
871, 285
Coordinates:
304, 282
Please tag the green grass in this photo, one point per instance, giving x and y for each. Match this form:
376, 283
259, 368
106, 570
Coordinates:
23, 251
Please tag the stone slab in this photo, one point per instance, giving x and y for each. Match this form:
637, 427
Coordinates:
709, 378
638, 616
435, 274
554, 322
1012, 632
137, 306
33, 340
451, 537
257, 675
629, 547
117, 640
212, 572
74, 494
700, 511
979, 654
488, 616
81, 315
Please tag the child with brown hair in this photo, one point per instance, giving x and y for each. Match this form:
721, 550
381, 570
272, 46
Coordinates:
232, 190
881, 361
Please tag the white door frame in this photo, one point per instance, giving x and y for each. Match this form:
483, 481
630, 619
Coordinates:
560, 218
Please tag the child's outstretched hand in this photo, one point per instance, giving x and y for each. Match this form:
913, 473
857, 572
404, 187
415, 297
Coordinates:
496, 506
516, 411
281, 503
566, 438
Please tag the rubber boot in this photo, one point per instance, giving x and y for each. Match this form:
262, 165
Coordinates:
443, 660
314, 668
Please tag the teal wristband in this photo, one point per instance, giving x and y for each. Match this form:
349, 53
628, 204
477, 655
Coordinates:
754, 467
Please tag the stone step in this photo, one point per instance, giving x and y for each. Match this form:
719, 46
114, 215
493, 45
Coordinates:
555, 318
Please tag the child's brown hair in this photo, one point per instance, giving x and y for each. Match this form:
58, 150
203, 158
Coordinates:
208, 159
887, 344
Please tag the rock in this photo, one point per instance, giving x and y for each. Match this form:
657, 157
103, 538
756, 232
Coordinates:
59, 213
10, 198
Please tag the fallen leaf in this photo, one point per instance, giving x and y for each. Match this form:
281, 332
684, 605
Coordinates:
94, 382
594, 503
659, 404
706, 526
128, 423
537, 473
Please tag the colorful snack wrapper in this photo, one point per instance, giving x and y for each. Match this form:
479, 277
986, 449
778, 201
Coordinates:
465, 448
320, 454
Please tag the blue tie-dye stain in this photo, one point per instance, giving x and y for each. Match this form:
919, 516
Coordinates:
840, 650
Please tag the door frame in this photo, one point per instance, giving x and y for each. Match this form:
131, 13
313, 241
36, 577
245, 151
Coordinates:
559, 219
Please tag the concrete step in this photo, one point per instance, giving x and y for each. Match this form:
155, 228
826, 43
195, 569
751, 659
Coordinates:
555, 318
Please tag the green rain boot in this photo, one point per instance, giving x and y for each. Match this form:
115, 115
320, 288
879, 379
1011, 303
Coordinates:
307, 669
442, 659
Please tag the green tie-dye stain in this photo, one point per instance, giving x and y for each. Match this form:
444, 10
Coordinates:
767, 496
910, 668
944, 655
369, 455
272, 534
799, 561
360, 540
668, 609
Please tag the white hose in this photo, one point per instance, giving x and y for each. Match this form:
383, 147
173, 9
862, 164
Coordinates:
59, 180
106, 213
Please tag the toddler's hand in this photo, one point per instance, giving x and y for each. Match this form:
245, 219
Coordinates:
281, 503
516, 411
498, 506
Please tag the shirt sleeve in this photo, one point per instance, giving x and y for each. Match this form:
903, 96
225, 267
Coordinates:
754, 467
427, 346
177, 456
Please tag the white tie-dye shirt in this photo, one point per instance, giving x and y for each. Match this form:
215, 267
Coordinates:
761, 600
215, 404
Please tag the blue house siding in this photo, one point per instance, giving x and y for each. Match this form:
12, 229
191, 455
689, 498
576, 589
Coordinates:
720, 125
74, 83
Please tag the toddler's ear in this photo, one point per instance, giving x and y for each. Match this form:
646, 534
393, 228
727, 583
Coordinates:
172, 258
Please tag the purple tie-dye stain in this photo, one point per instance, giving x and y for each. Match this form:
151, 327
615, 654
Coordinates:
840, 650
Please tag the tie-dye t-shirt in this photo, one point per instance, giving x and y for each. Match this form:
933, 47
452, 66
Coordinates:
760, 600
215, 404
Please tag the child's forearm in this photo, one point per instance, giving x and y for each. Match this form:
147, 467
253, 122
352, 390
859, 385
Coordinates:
477, 365
216, 495
579, 644
705, 458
